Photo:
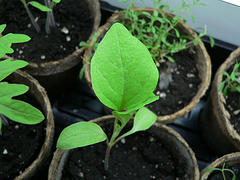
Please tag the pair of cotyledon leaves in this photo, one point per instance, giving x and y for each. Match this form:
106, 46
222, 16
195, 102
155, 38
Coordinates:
16, 110
124, 77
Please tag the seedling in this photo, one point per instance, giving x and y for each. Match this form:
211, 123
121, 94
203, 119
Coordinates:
231, 82
14, 109
222, 170
48, 7
124, 77
159, 32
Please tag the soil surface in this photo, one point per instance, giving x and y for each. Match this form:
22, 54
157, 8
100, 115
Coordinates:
20, 144
217, 175
74, 24
140, 156
182, 88
233, 106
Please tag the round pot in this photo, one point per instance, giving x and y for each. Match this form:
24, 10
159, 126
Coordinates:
229, 160
61, 73
215, 119
39, 94
201, 58
170, 138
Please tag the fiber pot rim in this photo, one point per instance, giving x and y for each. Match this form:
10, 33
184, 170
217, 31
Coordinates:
224, 122
60, 156
41, 97
205, 75
226, 158
61, 65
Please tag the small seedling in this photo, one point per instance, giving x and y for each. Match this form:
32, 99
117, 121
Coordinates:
48, 7
124, 77
14, 109
160, 32
222, 170
231, 82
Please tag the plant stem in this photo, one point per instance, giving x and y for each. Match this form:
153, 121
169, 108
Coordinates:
50, 21
36, 26
107, 155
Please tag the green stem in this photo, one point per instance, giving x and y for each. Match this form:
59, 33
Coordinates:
116, 131
36, 26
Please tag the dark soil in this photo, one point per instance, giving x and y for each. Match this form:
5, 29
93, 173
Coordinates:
71, 14
233, 106
217, 175
138, 157
184, 86
20, 144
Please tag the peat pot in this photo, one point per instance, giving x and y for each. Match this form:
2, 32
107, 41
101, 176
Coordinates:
56, 67
30, 145
228, 161
158, 153
199, 58
217, 120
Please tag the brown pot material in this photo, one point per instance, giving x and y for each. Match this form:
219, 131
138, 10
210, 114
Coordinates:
215, 125
170, 138
201, 57
230, 160
56, 74
39, 93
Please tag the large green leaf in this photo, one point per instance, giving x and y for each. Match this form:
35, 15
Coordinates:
8, 66
122, 71
143, 120
80, 134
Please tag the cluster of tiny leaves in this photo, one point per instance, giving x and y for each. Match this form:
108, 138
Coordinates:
14, 109
159, 32
231, 82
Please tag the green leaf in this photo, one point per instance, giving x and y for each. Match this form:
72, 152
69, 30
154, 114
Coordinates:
124, 118
17, 110
39, 6
2, 27
143, 120
80, 134
14, 38
7, 91
212, 41
8, 66
122, 70
57, 1
20, 111
221, 86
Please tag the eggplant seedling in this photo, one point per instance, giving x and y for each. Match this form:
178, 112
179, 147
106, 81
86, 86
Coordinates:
48, 7
14, 109
124, 77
